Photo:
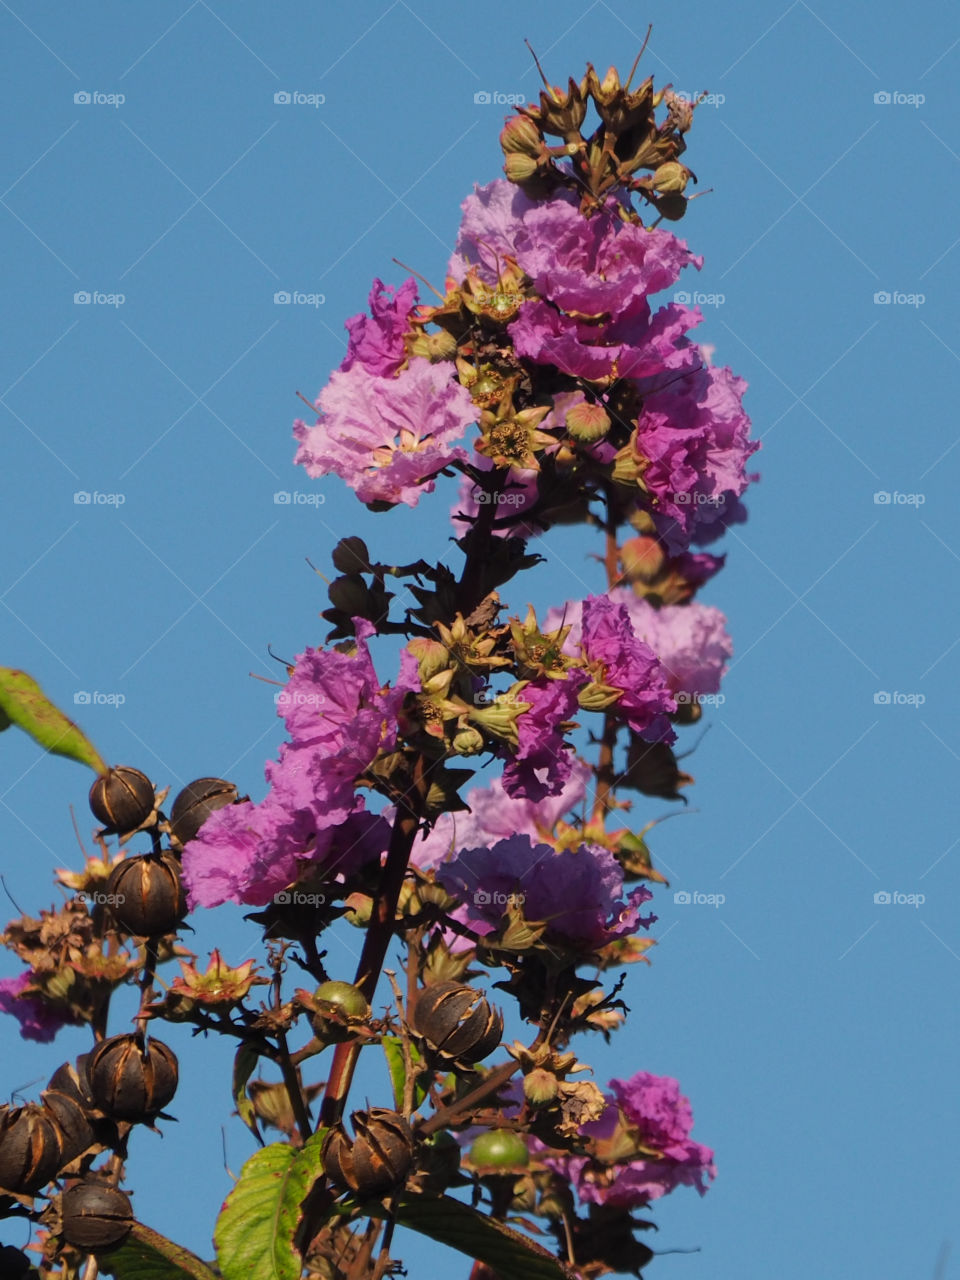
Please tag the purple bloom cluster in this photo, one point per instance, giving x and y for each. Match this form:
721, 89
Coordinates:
38, 1019
339, 718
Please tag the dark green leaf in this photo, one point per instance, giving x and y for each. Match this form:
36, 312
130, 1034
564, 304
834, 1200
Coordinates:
244, 1065
513, 1256
393, 1051
23, 703
255, 1231
147, 1255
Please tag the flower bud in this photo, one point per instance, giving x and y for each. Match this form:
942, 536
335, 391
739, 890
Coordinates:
195, 803
132, 1080
350, 555
379, 1157
457, 1021
30, 1148
95, 1216
588, 422
148, 898
122, 798
671, 177
521, 136
540, 1086
519, 168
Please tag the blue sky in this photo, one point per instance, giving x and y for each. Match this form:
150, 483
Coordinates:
814, 1028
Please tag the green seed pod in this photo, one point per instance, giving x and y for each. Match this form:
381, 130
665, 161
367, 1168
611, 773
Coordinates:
500, 1150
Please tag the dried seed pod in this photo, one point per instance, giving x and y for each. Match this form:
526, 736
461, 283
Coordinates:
76, 1131
195, 803
379, 1157
131, 1079
146, 895
122, 799
95, 1216
30, 1148
457, 1021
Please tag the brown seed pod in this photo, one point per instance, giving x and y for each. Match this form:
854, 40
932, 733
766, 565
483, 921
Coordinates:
195, 803
122, 799
379, 1157
30, 1148
131, 1079
457, 1021
146, 896
76, 1131
95, 1216
73, 1081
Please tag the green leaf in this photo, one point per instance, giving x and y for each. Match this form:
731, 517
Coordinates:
244, 1065
513, 1256
23, 703
393, 1052
147, 1255
255, 1231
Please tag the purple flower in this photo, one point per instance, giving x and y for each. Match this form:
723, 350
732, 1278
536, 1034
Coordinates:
38, 1019
579, 893
387, 437
492, 219
608, 638
376, 340
543, 760
339, 719
650, 1112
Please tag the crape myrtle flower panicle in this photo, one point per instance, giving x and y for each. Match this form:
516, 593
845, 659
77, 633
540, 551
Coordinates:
38, 1019
339, 718
640, 1148
690, 641
577, 893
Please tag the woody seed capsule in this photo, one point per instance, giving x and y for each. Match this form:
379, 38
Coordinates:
122, 799
147, 898
377, 1160
131, 1079
457, 1021
195, 803
95, 1216
30, 1148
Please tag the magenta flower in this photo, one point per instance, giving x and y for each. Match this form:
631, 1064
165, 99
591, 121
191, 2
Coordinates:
376, 340
38, 1019
387, 437
543, 761
579, 893
339, 719
608, 638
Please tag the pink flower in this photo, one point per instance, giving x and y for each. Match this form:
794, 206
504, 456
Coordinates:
543, 761
376, 340
579, 893
38, 1019
608, 638
387, 437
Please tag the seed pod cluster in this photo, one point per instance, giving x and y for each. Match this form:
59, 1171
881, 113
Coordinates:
131, 1078
195, 803
95, 1216
122, 799
146, 894
457, 1021
377, 1160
